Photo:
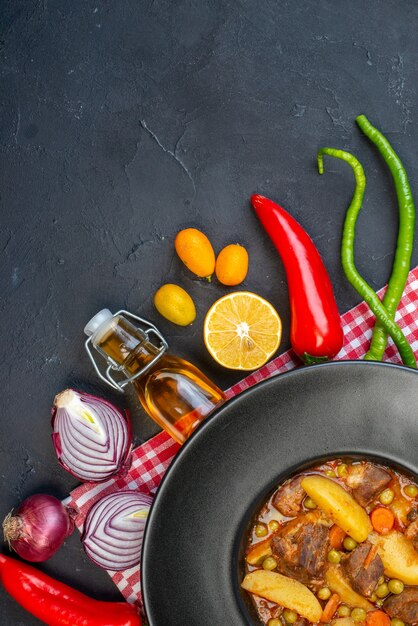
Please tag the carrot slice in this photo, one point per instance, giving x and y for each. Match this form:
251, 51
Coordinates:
382, 520
369, 558
330, 607
377, 618
336, 537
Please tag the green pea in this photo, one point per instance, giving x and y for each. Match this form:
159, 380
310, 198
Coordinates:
290, 617
349, 544
381, 580
358, 615
309, 503
395, 586
342, 470
411, 491
386, 497
382, 590
343, 610
330, 473
261, 530
334, 556
274, 525
269, 563
324, 593
396, 622
274, 622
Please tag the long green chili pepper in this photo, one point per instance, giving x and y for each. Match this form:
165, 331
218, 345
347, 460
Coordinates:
347, 255
405, 242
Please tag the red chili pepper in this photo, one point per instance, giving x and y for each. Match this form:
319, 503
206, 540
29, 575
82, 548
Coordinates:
57, 604
315, 334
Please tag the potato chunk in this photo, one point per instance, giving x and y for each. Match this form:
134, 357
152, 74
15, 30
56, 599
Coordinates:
337, 582
259, 552
284, 591
339, 505
398, 555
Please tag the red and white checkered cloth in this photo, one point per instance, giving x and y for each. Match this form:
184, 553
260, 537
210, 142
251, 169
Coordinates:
151, 459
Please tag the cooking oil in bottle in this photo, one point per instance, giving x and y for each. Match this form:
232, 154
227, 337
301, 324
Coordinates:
175, 393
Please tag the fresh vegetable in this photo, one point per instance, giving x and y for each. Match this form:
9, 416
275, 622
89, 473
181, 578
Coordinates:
175, 304
315, 334
285, 591
92, 438
382, 520
330, 607
338, 505
114, 528
398, 555
336, 537
347, 256
57, 604
38, 528
232, 265
196, 252
406, 231
339, 584
377, 618
242, 331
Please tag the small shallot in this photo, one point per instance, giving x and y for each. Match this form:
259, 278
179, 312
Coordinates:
92, 438
38, 528
114, 529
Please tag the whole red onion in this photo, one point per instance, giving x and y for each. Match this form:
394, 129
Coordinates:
38, 528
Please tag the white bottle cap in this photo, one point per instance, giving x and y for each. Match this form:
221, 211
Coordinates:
98, 320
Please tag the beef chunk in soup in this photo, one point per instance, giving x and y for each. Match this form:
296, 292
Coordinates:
301, 547
367, 481
288, 499
412, 533
404, 606
363, 580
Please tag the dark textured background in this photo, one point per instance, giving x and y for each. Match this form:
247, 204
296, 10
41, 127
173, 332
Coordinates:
123, 122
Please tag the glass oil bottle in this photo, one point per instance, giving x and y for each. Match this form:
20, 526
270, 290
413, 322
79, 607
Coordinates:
175, 393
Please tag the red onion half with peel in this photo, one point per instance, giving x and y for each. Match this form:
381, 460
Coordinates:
114, 529
38, 528
92, 438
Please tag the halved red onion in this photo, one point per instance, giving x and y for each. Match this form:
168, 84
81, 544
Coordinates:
114, 529
92, 438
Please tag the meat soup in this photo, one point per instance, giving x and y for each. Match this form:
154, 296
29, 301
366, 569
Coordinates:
337, 544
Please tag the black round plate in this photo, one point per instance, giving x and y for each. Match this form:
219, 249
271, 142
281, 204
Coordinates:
191, 565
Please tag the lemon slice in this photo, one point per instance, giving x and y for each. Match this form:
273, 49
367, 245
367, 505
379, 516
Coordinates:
242, 330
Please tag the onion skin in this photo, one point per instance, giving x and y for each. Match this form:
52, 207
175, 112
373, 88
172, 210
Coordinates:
38, 528
114, 529
91, 437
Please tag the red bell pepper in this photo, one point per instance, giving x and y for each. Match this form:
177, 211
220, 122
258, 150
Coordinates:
316, 333
57, 604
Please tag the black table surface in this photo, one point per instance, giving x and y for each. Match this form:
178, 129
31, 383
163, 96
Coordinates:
123, 122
